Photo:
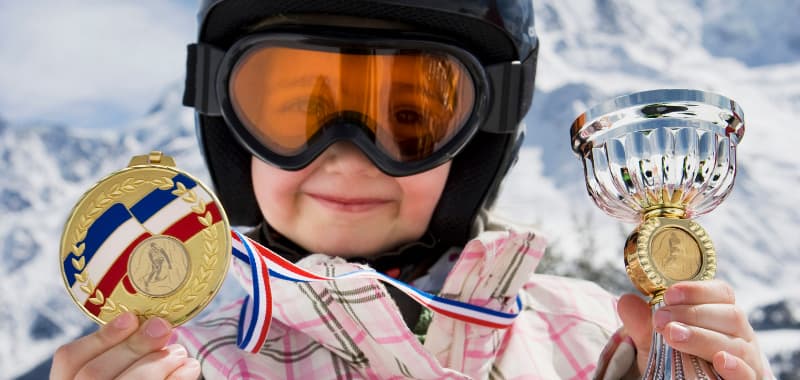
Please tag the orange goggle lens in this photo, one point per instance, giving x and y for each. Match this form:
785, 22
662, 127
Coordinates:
413, 102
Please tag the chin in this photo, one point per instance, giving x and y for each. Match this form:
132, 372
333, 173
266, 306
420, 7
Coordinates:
348, 251
346, 247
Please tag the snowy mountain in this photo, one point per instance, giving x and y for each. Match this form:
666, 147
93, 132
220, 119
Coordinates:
45, 169
590, 51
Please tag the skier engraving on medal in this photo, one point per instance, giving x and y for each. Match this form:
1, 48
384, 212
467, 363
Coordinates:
676, 254
158, 266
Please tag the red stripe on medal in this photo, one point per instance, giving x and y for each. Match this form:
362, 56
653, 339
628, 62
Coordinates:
126, 282
183, 230
113, 276
189, 226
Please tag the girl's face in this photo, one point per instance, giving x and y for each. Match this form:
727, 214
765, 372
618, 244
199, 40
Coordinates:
342, 205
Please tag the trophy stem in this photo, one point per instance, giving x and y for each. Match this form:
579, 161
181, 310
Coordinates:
666, 363
664, 212
662, 251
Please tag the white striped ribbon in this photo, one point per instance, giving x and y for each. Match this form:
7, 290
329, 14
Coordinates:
256, 314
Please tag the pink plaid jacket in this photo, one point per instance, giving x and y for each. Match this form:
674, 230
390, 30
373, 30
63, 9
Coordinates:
352, 329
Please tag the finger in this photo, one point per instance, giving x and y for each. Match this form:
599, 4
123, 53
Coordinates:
151, 336
724, 318
156, 365
635, 315
189, 370
731, 367
699, 292
705, 343
70, 358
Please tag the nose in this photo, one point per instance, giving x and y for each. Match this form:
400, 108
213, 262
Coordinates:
343, 157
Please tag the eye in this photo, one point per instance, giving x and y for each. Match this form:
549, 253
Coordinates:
408, 116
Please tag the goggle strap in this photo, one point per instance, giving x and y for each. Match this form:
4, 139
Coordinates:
200, 92
506, 86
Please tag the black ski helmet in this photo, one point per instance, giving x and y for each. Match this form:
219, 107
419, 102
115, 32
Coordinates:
495, 31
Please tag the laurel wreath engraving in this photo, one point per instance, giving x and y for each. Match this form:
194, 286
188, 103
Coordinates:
189, 293
711, 254
642, 248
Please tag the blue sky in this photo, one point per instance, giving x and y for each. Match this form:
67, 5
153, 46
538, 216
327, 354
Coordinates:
92, 63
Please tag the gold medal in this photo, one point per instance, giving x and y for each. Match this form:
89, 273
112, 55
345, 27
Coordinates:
150, 239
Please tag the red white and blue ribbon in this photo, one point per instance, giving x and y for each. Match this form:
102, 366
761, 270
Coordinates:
256, 313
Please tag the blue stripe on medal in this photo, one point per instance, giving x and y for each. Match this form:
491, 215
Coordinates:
157, 199
98, 232
117, 215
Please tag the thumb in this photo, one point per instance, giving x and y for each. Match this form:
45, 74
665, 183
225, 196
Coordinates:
637, 319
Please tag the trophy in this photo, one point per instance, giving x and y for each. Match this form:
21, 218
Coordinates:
660, 158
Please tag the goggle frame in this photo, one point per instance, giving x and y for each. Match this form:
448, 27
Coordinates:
497, 92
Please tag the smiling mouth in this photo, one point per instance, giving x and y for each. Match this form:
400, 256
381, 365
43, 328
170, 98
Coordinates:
349, 204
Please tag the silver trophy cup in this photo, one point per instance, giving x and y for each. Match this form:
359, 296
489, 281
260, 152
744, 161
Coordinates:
659, 158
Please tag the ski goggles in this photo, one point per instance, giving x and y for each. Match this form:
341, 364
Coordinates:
408, 104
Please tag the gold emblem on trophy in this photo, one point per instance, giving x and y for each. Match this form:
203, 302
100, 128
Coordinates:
149, 239
660, 158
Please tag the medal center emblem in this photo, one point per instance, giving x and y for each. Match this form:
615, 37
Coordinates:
676, 254
159, 266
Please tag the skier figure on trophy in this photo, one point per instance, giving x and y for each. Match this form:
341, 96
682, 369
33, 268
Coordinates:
158, 266
377, 133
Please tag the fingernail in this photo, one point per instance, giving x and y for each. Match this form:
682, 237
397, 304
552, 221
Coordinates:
674, 296
156, 328
679, 333
123, 321
728, 361
177, 350
662, 317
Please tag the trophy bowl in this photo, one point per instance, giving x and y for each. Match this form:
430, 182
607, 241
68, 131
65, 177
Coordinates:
661, 148
660, 158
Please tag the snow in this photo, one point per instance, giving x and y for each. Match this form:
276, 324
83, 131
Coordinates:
774, 342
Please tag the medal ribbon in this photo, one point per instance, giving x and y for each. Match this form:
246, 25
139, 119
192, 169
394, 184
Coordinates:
256, 314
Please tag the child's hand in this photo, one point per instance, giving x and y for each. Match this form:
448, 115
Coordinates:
700, 319
123, 350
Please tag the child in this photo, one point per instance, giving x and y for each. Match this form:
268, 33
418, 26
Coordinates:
378, 132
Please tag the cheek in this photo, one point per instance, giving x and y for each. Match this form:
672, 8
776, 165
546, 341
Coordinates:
421, 193
275, 190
